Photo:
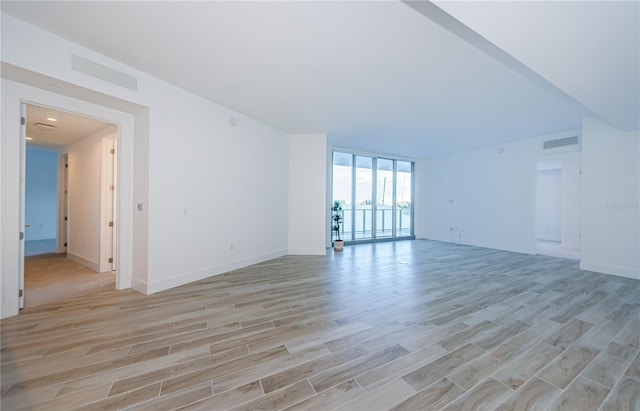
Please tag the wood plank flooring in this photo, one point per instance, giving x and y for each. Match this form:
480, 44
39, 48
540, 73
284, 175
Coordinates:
412, 325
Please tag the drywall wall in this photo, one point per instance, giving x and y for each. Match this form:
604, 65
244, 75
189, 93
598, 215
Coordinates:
41, 194
212, 199
484, 197
610, 183
84, 171
307, 211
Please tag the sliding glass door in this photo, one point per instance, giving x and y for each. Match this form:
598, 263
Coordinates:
376, 196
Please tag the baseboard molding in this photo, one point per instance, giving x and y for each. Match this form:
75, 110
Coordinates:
610, 269
40, 237
549, 238
140, 286
92, 265
157, 286
493, 246
308, 251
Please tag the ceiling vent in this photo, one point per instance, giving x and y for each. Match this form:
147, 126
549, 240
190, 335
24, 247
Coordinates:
561, 142
105, 73
44, 127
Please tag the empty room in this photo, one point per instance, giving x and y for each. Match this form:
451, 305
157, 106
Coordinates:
354, 205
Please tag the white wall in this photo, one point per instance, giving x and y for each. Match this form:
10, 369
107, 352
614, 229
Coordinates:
84, 171
308, 216
610, 223
41, 194
483, 197
549, 205
209, 183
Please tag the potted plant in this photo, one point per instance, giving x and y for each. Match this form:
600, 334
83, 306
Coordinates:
336, 225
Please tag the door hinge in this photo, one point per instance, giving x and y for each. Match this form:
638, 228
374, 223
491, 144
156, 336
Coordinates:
23, 121
22, 235
111, 260
65, 244
112, 187
112, 151
65, 218
110, 223
66, 166
20, 293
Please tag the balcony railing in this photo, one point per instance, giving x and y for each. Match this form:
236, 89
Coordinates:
384, 222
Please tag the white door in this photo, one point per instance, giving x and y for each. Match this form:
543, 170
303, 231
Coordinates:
114, 200
63, 200
109, 201
23, 161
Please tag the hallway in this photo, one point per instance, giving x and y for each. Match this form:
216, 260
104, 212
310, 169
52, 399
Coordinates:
53, 277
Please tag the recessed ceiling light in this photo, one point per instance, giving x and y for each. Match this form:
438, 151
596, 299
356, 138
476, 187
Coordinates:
29, 138
52, 119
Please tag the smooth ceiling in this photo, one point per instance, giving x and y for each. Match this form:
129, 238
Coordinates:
67, 129
375, 76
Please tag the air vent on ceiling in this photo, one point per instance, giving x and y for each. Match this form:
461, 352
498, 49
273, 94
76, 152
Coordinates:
44, 127
561, 142
105, 73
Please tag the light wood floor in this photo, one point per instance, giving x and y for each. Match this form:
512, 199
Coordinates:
411, 325
53, 277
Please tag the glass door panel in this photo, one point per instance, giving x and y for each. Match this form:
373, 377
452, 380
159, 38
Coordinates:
384, 198
404, 208
343, 190
362, 198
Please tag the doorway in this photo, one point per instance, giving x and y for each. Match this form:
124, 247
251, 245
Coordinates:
558, 206
85, 183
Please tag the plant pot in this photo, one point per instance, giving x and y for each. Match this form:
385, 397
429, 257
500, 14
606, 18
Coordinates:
338, 245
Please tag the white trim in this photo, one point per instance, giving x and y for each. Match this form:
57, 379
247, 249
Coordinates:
85, 262
157, 286
308, 251
610, 269
371, 154
14, 94
493, 246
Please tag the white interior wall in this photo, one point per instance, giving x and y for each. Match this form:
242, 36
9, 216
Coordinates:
483, 197
85, 159
549, 205
307, 187
41, 194
214, 193
610, 184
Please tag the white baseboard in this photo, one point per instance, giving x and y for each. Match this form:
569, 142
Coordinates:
308, 251
610, 269
493, 246
157, 286
543, 237
92, 265
40, 237
139, 286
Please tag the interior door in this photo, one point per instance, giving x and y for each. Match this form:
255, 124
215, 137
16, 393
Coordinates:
114, 202
23, 161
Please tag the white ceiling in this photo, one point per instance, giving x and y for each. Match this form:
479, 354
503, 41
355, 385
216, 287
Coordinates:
68, 128
375, 76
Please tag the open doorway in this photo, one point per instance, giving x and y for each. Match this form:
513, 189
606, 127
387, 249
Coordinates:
70, 196
558, 206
